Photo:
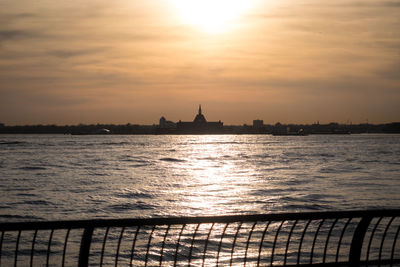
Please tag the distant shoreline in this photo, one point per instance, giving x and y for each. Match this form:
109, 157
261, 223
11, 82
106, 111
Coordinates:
383, 133
135, 129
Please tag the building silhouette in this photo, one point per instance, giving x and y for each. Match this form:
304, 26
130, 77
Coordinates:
165, 124
199, 124
257, 124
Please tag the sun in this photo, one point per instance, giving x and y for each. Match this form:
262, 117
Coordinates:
212, 16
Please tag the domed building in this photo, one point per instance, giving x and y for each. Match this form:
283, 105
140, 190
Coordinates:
199, 124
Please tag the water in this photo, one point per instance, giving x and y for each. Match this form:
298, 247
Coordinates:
50, 177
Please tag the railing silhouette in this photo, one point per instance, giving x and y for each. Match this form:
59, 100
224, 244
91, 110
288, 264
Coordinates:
349, 238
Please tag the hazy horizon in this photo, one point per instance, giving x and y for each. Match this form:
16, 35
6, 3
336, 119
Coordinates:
250, 122
134, 61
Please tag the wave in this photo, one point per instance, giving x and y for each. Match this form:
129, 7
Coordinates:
208, 158
115, 143
172, 159
138, 165
138, 195
264, 156
384, 152
134, 160
123, 207
324, 155
36, 202
277, 168
11, 217
321, 198
216, 143
26, 195
12, 143
32, 168
268, 192
303, 207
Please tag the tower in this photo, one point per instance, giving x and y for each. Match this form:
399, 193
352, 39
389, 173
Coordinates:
200, 119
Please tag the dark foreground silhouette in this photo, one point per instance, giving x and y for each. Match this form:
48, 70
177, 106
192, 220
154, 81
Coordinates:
348, 238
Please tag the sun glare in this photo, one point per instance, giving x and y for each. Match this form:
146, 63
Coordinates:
212, 16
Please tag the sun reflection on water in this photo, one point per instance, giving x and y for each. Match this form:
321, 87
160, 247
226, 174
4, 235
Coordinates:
213, 182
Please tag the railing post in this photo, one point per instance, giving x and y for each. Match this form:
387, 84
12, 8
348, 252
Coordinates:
85, 247
357, 242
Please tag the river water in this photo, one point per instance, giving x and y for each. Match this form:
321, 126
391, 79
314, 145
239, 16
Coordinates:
54, 177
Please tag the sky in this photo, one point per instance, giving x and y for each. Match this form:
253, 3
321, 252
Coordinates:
133, 61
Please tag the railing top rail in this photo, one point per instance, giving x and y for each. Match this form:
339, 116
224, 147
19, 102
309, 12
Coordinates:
75, 224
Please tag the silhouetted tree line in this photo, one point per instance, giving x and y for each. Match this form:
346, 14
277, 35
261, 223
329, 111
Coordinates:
331, 128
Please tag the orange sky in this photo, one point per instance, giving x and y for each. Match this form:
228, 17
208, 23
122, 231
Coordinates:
133, 61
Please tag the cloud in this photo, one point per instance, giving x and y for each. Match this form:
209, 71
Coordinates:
10, 28
69, 53
356, 4
17, 34
390, 72
371, 4
7, 18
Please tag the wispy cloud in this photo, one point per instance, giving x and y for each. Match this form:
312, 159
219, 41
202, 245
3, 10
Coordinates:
70, 53
6, 35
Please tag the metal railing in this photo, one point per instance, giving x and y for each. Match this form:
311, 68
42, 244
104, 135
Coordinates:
349, 238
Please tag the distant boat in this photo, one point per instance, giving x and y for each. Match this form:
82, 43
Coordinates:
103, 131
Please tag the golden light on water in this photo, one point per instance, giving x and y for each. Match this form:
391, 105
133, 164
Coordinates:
212, 16
213, 182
